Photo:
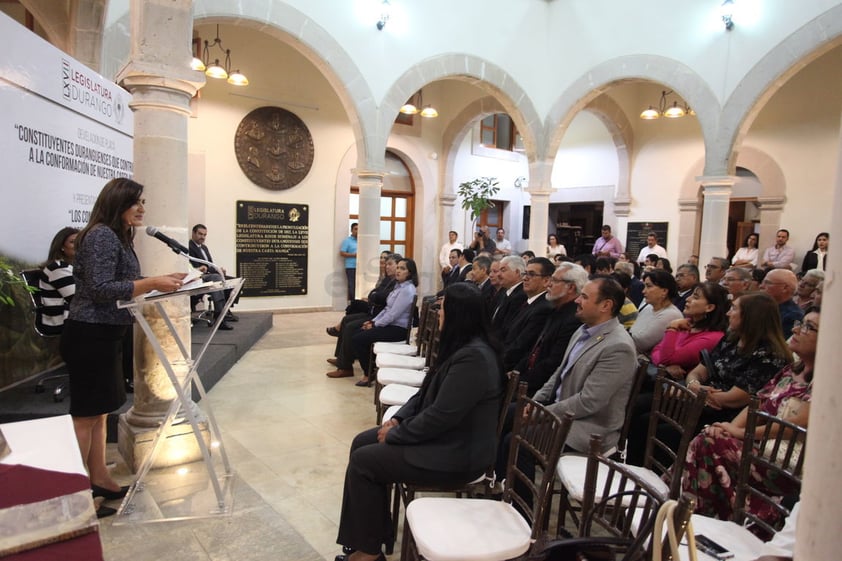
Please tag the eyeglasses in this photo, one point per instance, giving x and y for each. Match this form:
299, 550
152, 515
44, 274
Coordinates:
554, 280
804, 327
711, 266
532, 274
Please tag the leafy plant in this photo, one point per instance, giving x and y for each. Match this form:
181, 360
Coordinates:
476, 194
8, 280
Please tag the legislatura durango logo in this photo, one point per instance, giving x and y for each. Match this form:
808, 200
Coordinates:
79, 86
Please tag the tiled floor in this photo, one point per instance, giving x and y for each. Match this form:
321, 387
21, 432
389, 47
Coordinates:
287, 429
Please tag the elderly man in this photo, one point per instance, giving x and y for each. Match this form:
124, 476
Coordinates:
715, 270
780, 284
607, 245
565, 285
595, 376
511, 295
686, 277
779, 256
737, 281
530, 318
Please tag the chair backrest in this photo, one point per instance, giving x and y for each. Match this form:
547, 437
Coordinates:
619, 502
32, 277
413, 318
680, 408
536, 440
639, 377
681, 511
770, 468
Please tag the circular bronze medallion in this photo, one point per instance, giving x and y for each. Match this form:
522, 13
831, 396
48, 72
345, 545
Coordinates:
274, 148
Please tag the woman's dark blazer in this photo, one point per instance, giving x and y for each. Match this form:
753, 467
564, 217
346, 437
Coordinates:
450, 425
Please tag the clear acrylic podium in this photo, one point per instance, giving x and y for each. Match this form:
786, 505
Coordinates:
202, 488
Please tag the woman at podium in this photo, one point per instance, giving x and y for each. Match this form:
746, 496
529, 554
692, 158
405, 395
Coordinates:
106, 270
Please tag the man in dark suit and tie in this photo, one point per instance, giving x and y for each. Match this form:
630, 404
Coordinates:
566, 283
199, 250
594, 379
529, 320
482, 278
465, 264
511, 296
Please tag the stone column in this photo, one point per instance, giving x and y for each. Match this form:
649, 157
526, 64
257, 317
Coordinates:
446, 203
540, 189
818, 536
771, 209
161, 83
688, 216
368, 237
717, 197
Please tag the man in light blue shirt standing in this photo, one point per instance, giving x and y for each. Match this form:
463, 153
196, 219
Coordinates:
348, 250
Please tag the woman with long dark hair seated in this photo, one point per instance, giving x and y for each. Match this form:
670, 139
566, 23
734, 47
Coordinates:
444, 435
56, 284
713, 458
391, 324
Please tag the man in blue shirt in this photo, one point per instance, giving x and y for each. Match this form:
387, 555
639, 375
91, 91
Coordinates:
348, 250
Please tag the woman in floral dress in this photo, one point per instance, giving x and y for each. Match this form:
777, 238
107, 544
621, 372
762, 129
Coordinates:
713, 459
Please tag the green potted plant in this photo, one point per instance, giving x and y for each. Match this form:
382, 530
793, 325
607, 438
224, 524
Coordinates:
476, 195
8, 280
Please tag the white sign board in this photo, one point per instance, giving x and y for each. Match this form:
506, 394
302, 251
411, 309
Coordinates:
64, 132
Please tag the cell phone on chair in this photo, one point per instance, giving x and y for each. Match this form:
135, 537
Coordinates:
707, 545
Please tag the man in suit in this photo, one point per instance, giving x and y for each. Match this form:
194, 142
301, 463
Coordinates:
566, 283
529, 320
482, 278
594, 379
465, 263
199, 250
453, 275
686, 277
511, 296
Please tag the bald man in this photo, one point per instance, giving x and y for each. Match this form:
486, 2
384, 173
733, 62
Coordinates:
780, 284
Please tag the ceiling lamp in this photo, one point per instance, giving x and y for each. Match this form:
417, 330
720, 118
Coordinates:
726, 10
414, 102
674, 111
385, 13
215, 69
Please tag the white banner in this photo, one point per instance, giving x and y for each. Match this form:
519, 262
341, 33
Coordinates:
64, 132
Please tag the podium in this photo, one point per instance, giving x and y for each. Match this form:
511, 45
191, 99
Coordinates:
196, 489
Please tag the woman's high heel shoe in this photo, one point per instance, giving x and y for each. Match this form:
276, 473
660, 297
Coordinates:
108, 494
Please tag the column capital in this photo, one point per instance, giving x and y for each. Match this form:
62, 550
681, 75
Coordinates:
716, 180
688, 205
538, 194
771, 203
622, 206
447, 199
367, 176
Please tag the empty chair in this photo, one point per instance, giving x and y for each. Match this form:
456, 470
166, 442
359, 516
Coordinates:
673, 405
483, 529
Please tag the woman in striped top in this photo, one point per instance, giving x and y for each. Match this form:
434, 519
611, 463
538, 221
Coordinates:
56, 283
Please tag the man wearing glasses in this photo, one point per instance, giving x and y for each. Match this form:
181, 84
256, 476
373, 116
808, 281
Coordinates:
686, 277
715, 270
511, 295
737, 281
530, 319
565, 285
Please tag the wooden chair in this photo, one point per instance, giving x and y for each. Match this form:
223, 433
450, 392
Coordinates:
777, 453
674, 405
440, 528
619, 508
406, 492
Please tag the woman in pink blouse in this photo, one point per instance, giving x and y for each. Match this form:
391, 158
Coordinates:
702, 327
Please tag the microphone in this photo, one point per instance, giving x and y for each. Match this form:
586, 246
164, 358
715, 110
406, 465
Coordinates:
174, 245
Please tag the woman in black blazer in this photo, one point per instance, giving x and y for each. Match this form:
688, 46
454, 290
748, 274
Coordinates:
444, 435
815, 258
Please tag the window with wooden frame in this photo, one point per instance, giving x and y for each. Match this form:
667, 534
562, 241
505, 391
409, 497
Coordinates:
499, 131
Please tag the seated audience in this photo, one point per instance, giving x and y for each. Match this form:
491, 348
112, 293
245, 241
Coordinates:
746, 256
752, 351
713, 459
445, 435
702, 327
628, 312
816, 257
587, 261
737, 281
635, 291
715, 270
482, 278
780, 255
781, 284
56, 284
659, 289
805, 293
664, 263
527, 323
390, 324
376, 300
527, 255
686, 279
554, 248
510, 297
566, 283
603, 266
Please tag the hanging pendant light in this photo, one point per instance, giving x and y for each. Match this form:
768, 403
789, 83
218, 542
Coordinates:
674, 111
220, 71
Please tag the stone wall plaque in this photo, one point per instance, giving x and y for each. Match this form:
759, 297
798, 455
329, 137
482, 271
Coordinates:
274, 148
272, 248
